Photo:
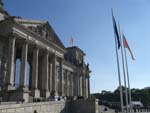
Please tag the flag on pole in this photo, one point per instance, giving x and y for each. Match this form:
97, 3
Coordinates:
117, 46
126, 45
116, 31
71, 41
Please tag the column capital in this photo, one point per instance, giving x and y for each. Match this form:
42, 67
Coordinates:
53, 57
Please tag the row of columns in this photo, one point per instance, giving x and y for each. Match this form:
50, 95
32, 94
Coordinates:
49, 78
84, 86
66, 82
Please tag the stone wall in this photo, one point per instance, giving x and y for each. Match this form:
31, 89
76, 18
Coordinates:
78, 106
41, 107
84, 106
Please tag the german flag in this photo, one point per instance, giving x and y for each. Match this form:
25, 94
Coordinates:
126, 45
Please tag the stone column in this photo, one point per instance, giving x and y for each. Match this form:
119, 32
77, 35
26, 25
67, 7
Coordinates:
34, 89
83, 86
24, 92
81, 92
88, 86
23, 70
61, 80
50, 77
68, 84
4, 74
11, 58
71, 84
57, 80
75, 84
45, 90
54, 74
78, 84
65, 83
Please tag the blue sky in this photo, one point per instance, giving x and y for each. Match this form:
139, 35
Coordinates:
89, 23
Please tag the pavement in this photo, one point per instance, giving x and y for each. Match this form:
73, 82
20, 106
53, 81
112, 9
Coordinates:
104, 109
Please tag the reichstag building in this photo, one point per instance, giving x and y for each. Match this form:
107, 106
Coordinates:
46, 67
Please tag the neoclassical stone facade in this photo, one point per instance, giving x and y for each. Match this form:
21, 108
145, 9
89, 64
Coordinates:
51, 68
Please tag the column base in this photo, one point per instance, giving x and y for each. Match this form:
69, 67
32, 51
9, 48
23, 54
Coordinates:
10, 87
24, 96
45, 93
23, 89
21, 95
35, 93
56, 93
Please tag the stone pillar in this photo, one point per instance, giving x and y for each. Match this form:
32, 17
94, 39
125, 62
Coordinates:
83, 86
23, 70
45, 90
78, 84
4, 73
61, 86
57, 80
50, 77
80, 87
23, 94
68, 84
71, 83
34, 89
75, 85
11, 55
54, 79
88, 86
65, 82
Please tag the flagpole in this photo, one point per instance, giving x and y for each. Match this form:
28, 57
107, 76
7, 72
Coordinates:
130, 98
118, 67
119, 77
124, 74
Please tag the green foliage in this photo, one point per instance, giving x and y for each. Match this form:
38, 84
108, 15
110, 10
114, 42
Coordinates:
1, 8
142, 95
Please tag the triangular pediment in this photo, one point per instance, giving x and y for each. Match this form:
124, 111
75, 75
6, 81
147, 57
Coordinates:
43, 29
52, 36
